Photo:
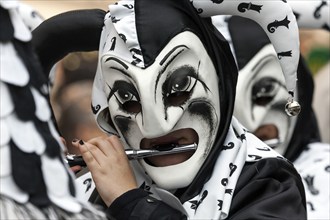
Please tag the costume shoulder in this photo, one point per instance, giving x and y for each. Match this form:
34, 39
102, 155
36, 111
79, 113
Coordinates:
267, 189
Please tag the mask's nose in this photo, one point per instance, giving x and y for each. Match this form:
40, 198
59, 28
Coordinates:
156, 119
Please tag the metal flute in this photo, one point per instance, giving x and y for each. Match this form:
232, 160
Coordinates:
132, 154
273, 142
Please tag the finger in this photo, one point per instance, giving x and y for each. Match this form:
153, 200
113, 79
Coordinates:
98, 154
117, 144
75, 143
89, 155
104, 145
94, 167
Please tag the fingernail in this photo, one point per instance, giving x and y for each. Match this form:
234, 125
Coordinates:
75, 140
81, 142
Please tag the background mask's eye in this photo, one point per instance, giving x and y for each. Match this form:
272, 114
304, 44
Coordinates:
178, 86
127, 96
264, 90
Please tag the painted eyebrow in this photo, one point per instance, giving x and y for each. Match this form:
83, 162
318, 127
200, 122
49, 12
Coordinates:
118, 69
166, 58
118, 61
171, 51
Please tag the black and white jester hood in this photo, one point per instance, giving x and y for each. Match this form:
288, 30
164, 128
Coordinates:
137, 31
134, 38
259, 69
253, 58
261, 92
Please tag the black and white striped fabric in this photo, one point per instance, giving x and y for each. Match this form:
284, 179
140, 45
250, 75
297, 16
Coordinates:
36, 182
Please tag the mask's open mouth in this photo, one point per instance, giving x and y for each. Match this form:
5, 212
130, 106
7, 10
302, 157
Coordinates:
168, 142
269, 134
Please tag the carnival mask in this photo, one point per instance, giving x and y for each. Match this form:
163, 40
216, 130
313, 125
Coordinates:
173, 101
260, 97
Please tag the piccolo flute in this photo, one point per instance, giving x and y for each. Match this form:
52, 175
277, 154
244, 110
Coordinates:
132, 154
273, 142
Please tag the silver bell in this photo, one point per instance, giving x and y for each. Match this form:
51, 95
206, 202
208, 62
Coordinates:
292, 108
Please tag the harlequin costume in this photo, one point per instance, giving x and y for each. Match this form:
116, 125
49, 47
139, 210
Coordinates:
166, 75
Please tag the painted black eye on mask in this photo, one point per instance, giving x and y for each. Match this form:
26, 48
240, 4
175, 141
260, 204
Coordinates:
178, 87
127, 96
264, 90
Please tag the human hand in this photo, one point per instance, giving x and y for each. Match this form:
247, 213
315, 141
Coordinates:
76, 168
108, 163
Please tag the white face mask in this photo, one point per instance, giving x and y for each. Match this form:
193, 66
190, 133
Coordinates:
260, 99
175, 100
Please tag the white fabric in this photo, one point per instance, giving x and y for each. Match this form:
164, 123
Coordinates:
12, 69
311, 14
30, 17
126, 25
9, 4
313, 164
42, 107
27, 137
6, 104
4, 132
53, 171
9, 188
5, 169
21, 32
85, 185
219, 21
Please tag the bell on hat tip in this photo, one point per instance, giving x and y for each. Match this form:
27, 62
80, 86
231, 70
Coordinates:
292, 108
